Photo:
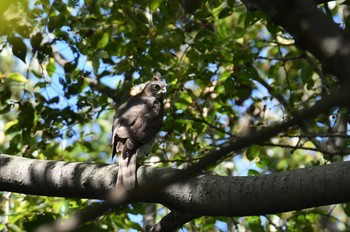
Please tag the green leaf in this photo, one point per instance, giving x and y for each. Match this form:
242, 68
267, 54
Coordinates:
26, 116
306, 76
14, 228
12, 126
252, 18
17, 77
5, 94
231, 3
9, 124
346, 208
19, 48
154, 4
253, 152
53, 100
103, 42
95, 64
51, 67
5, 109
24, 30
70, 67
272, 28
183, 101
253, 172
225, 12
38, 220
55, 22
36, 40
255, 224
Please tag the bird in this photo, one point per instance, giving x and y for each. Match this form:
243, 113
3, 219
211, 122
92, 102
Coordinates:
135, 125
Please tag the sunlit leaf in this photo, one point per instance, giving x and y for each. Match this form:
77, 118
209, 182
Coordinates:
154, 4
51, 67
103, 41
14, 228
253, 172
12, 126
17, 77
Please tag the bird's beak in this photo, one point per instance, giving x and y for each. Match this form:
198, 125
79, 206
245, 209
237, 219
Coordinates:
163, 90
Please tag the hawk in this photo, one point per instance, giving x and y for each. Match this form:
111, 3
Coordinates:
135, 126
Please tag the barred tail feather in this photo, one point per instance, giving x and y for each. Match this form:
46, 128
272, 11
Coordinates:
127, 172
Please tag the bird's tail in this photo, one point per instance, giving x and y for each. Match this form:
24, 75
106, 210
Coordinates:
127, 171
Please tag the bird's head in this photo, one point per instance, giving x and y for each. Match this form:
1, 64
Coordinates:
156, 89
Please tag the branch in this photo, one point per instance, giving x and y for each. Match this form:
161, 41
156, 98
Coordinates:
202, 195
271, 90
55, 178
283, 58
174, 220
302, 19
322, 106
94, 83
85, 215
294, 148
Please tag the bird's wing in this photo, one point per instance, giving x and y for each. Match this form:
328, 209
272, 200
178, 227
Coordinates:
126, 116
130, 122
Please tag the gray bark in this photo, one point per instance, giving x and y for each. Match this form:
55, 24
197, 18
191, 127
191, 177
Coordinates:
202, 195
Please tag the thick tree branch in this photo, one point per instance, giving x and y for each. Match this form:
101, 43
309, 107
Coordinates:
202, 195
55, 178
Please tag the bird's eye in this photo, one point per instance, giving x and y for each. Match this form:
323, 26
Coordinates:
156, 87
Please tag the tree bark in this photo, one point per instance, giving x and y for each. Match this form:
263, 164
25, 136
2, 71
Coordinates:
202, 195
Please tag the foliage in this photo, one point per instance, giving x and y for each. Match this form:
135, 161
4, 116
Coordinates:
65, 64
